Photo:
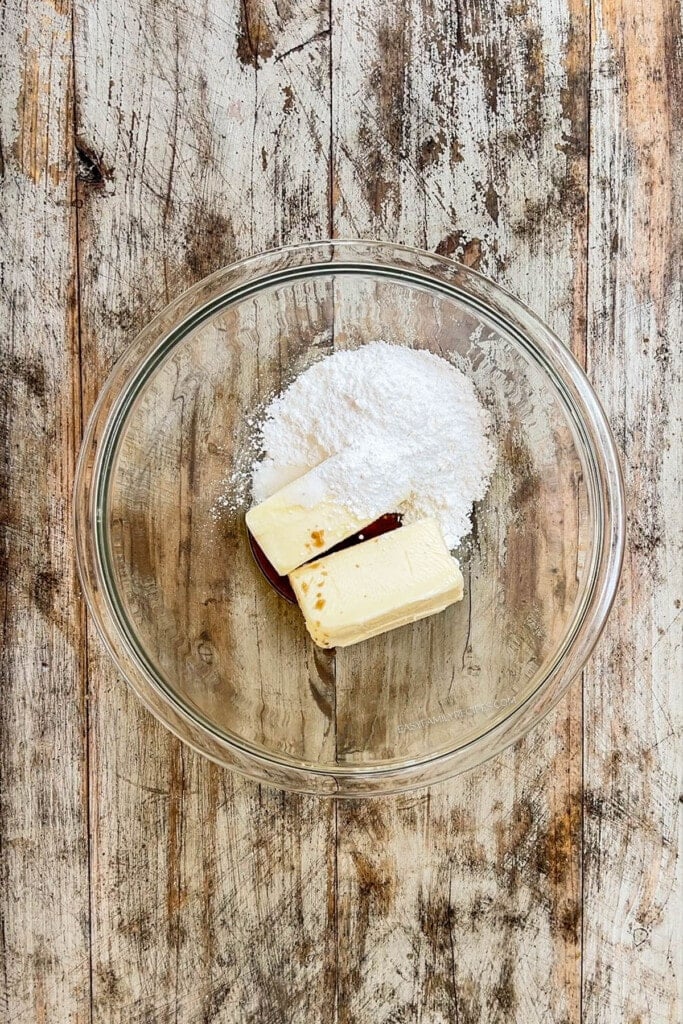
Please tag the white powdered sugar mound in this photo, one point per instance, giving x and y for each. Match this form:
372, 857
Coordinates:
414, 436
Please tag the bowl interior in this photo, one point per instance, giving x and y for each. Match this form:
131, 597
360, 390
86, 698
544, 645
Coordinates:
223, 644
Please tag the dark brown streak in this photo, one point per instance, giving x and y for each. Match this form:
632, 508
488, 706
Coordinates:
78, 372
247, 32
302, 46
459, 34
174, 136
3, 951
256, 43
336, 908
178, 879
330, 184
456, 1011
253, 132
469, 615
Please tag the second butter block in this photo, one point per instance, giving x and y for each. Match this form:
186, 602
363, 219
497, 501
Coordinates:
377, 585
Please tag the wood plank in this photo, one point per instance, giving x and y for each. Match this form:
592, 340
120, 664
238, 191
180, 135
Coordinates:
222, 637
633, 713
417, 692
204, 130
463, 128
44, 903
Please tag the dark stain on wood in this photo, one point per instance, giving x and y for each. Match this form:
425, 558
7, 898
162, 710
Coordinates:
569, 922
255, 37
491, 202
44, 589
524, 557
534, 70
388, 78
30, 372
431, 149
564, 199
462, 819
5, 563
376, 882
215, 1001
110, 986
645, 536
140, 928
210, 887
90, 169
380, 189
174, 893
210, 241
468, 1004
458, 245
557, 842
476, 38
448, 246
322, 702
526, 481
388, 81
492, 72
606, 808
512, 835
472, 253
541, 858
438, 924
517, 8
503, 991
323, 687
370, 817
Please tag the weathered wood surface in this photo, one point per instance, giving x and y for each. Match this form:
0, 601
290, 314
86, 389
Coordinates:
473, 891
44, 904
144, 145
632, 750
215, 902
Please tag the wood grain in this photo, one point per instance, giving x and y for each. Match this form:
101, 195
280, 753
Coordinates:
464, 130
222, 638
436, 686
212, 897
44, 905
633, 714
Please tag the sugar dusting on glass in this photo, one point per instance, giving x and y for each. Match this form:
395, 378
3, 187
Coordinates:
235, 488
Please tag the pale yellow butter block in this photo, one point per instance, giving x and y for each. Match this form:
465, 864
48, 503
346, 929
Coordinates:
301, 521
377, 585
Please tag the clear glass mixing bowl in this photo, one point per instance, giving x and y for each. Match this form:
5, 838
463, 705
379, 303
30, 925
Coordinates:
216, 654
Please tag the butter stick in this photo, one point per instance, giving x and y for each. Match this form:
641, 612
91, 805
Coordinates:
302, 521
377, 585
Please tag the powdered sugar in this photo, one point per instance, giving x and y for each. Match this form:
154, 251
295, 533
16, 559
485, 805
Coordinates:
413, 435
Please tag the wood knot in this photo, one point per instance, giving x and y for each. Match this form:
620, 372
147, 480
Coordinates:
89, 167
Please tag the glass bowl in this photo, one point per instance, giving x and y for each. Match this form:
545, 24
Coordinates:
224, 661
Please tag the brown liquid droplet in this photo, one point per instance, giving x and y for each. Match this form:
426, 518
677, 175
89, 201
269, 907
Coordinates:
281, 584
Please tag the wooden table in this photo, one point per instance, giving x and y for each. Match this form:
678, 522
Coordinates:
145, 143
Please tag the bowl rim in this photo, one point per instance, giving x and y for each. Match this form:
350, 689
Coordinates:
284, 771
